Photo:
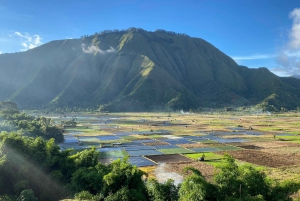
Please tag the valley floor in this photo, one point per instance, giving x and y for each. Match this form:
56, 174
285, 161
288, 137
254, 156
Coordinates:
162, 144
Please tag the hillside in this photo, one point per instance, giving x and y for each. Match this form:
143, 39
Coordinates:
136, 70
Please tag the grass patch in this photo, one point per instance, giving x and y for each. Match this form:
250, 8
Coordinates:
175, 151
210, 158
129, 137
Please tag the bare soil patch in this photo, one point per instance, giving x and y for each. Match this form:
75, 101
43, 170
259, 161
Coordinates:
250, 147
206, 169
265, 159
171, 158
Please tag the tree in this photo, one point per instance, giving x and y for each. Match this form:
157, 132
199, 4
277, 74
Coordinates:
86, 158
246, 183
8, 107
122, 174
195, 187
166, 191
227, 178
28, 163
27, 195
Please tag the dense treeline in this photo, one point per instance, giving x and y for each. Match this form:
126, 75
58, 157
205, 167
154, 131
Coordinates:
14, 120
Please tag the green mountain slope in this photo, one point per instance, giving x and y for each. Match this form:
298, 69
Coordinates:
136, 70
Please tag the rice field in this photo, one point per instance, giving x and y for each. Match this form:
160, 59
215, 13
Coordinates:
180, 139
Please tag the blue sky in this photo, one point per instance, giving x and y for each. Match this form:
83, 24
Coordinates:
256, 33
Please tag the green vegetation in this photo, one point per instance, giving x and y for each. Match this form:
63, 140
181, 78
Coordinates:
28, 163
208, 156
14, 120
60, 175
175, 151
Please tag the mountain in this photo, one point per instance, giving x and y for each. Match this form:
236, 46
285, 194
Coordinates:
137, 70
295, 76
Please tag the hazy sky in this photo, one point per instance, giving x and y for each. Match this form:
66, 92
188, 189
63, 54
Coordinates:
256, 33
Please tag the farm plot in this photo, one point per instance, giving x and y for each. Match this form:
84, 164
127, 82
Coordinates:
145, 141
88, 139
166, 147
113, 154
140, 161
108, 137
284, 150
226, 147
139, 148
225, 140
271, 144
175, 151
205, 141
205, 149
180, 141
209, 158
195, 145
131, 144
144, 152
121, 133
171, 158
70, 139
249, 147
265, 159
206, 169
156, 143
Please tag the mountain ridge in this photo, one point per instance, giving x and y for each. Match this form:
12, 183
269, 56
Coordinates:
136, 70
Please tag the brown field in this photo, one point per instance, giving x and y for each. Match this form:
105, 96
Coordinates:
266, 159
206, 170
269, 144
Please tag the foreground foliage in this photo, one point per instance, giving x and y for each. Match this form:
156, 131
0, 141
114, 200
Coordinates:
34, 168
14, 120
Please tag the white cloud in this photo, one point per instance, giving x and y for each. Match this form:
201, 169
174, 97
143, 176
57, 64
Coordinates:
29, 41
94, 49
295, 30
288, 59
0, 52
254, 57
